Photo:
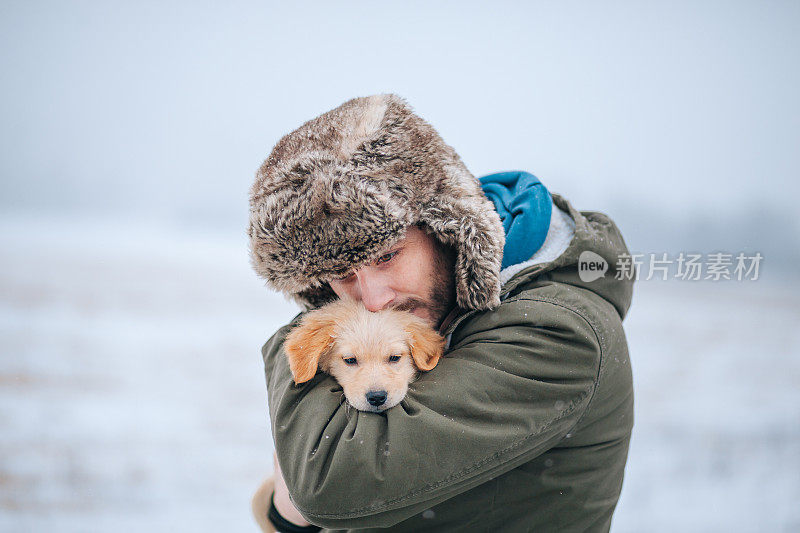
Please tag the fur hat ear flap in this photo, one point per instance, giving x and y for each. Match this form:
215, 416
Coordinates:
308, 343
425, 344
474, 228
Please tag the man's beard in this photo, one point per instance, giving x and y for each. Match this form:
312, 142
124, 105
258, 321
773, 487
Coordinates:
442, 296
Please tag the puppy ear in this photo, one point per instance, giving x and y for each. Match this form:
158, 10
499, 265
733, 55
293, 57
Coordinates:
426, 345
306, 344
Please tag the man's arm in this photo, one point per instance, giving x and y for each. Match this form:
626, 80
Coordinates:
513, 385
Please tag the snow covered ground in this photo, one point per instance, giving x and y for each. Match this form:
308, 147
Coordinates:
132, 395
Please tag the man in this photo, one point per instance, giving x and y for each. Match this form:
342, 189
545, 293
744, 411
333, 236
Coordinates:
524, 424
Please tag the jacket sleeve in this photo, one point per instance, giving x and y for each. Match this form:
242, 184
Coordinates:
514, 384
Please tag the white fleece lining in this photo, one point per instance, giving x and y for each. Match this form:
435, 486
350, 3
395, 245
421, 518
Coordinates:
562, 229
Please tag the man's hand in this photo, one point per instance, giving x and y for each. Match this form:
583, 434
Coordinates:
282, 502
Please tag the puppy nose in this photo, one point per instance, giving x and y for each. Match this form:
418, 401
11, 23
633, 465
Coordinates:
376, 397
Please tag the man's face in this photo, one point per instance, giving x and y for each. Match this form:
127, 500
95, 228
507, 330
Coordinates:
414, 275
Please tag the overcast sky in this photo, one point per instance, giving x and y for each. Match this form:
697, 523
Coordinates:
166, 109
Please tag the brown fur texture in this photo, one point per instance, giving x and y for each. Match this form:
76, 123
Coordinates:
328, 337
343, 187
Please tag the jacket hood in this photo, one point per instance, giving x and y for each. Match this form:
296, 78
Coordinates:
595, 233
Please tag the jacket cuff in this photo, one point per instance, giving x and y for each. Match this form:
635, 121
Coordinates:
283, 525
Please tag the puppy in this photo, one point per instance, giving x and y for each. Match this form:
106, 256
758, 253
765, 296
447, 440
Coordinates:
373, 356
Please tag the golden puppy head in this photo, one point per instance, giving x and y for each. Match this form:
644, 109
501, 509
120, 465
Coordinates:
373, 356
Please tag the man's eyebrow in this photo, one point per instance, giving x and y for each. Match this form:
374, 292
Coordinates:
396, 248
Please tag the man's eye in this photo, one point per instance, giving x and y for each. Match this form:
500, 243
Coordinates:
386, 257
394, 358
350, 361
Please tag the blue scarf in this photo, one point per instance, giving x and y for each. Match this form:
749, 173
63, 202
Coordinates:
524, 206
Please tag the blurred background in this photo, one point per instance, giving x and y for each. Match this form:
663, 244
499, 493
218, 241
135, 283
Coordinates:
132, 393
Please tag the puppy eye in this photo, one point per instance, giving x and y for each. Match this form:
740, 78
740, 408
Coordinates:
350, 361
394, 358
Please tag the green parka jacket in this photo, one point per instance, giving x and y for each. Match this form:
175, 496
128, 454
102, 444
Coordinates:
524, 424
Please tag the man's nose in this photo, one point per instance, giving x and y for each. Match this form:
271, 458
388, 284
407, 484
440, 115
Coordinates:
375, 292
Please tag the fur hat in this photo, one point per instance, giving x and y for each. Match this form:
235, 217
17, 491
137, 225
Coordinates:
341, 189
